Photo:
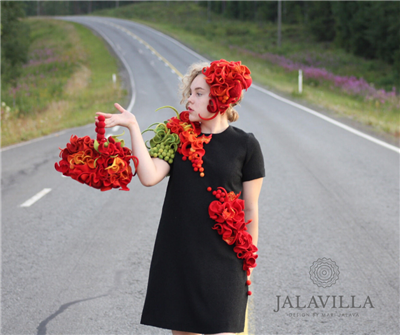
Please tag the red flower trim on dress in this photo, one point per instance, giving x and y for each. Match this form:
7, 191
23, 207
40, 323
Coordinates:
228, 213
101, 163
188, 143
226, 81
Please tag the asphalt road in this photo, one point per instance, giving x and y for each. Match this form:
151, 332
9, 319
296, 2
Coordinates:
76, 261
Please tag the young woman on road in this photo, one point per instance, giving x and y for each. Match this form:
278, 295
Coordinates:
205, 247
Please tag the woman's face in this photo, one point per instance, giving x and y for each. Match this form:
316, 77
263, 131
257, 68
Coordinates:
198, 99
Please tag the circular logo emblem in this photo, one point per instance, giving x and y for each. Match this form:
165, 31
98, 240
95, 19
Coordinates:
324, 272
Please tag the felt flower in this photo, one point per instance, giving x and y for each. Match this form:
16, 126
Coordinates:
226, 81
102, 164
228, 213
179, 134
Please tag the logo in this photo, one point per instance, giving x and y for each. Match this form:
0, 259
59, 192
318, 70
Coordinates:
324, 272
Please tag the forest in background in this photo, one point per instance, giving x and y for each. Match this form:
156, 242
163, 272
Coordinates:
369, 29
348, 51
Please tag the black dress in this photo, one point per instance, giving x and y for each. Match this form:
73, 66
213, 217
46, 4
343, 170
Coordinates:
196, 282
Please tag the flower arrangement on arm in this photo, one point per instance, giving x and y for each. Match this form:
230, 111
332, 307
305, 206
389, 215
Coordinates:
227, 80
228, 213
178, 134
102, 163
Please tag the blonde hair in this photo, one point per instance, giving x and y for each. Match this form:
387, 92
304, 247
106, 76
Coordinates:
193, 71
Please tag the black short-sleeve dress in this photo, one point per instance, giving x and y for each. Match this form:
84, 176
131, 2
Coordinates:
196, 281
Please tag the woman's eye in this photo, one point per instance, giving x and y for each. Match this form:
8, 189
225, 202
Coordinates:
199, 94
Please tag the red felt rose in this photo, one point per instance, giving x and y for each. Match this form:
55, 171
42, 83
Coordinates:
228, 213
101, 164
226, 81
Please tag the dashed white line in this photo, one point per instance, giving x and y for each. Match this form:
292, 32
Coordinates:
36, 197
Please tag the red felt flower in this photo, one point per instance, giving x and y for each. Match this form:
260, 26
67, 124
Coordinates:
226, 81
228, 213
190, 143
102, 164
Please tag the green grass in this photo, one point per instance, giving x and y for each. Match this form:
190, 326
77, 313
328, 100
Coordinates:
68, 79
249, 41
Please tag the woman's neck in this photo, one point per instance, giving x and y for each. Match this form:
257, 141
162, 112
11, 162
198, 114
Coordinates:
215, 126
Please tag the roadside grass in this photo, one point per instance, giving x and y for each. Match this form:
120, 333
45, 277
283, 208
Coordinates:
255, 43
67, 79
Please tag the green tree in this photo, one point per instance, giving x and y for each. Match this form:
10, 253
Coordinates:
15, 41
320, 20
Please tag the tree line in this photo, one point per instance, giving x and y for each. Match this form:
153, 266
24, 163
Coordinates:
365, 28
370, 29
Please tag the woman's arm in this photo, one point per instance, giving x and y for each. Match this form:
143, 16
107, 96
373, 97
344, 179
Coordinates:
150, 170
251, 192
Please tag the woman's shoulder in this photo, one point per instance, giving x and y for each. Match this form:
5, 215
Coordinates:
242, 135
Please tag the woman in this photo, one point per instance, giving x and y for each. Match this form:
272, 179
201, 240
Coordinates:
203, 254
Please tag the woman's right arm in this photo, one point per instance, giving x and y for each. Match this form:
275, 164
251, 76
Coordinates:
150, 170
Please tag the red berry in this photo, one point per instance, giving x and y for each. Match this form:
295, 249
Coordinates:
249, 293
222, 199
202, 174
201, 169
184, 158
248, 282
214, 192
218, 195
209, 189
101, 131
196, 169
101, 124
101, 118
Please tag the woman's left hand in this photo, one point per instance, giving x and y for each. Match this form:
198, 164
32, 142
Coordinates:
125, 119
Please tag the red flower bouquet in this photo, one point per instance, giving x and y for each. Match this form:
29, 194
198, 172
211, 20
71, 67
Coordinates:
101, 163
228, 213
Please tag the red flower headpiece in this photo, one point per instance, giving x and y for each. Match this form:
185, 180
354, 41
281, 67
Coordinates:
226, 80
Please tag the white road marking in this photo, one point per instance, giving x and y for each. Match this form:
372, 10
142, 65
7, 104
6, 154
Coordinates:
328, 119
36, 197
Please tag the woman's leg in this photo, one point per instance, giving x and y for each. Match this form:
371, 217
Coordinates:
177, 332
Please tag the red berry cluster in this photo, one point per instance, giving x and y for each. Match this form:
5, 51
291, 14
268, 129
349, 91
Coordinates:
197, 164
100, 128
248, 283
